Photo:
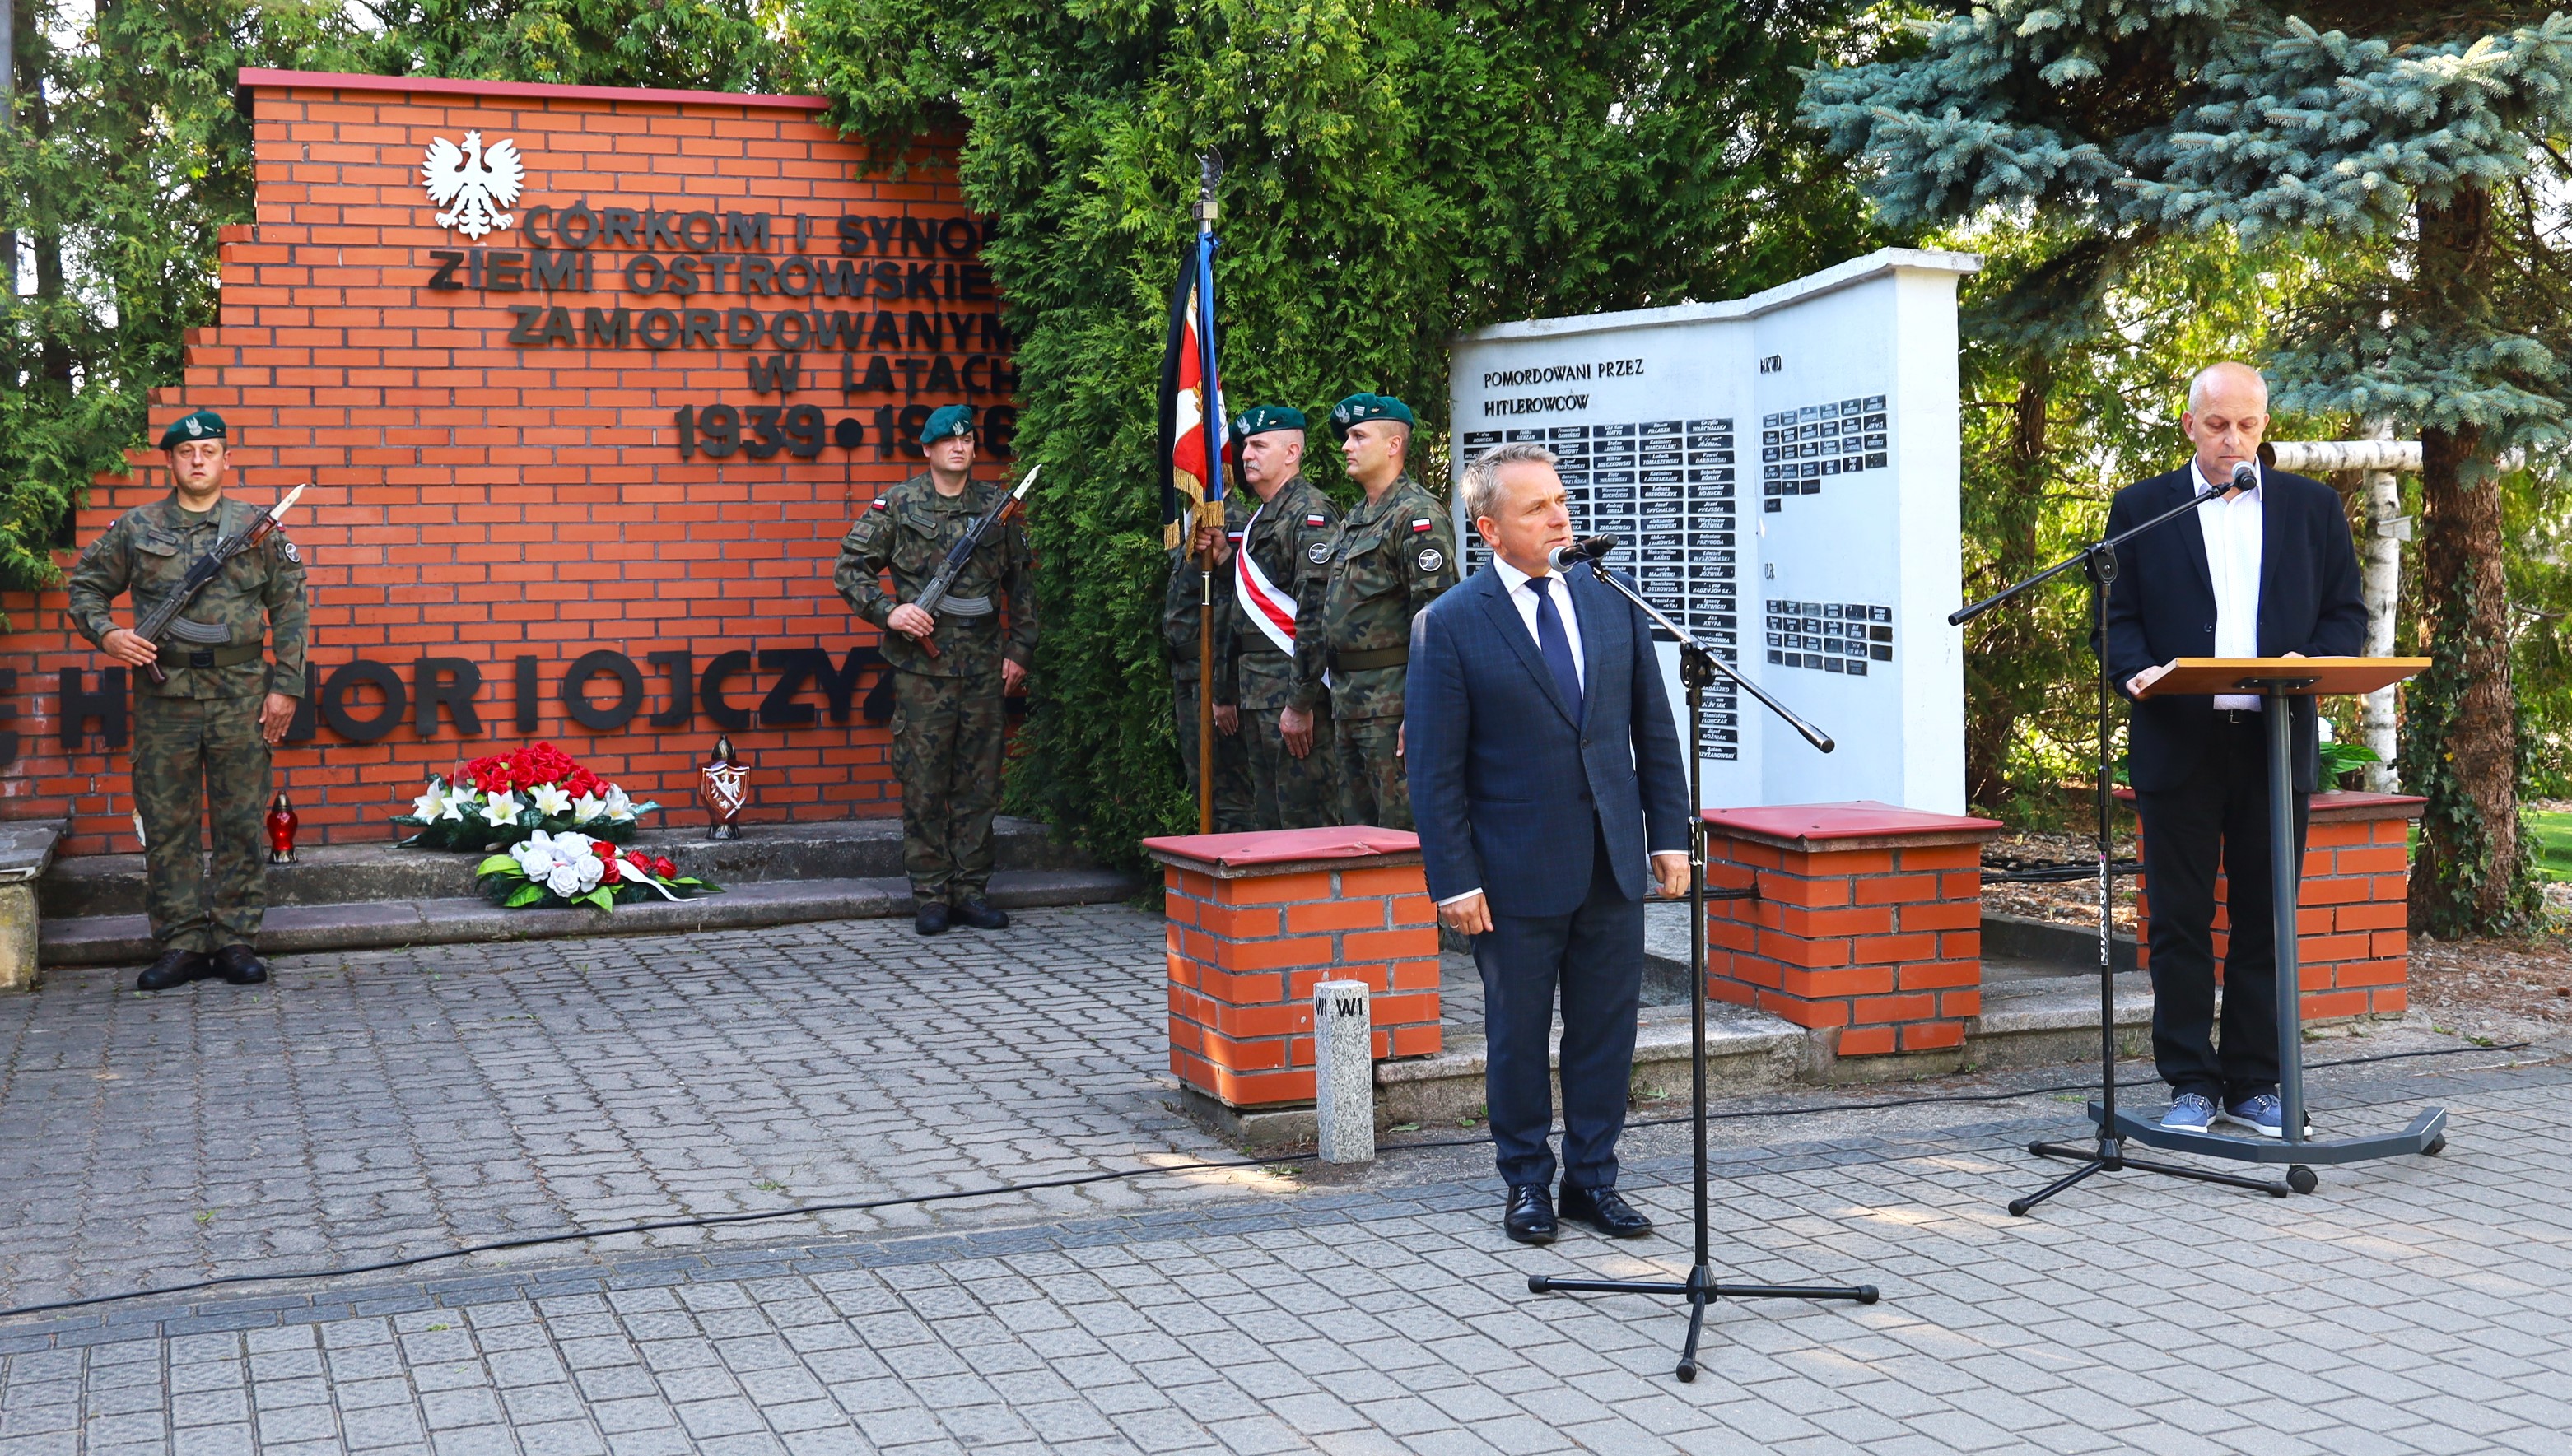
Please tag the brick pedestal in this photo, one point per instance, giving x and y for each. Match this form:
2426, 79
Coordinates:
1868, 924
2353, 949
1256, 920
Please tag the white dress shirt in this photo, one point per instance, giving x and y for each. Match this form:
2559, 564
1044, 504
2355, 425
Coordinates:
1523, 597
2233, 530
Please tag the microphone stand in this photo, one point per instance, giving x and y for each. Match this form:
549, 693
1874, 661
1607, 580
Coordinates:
1698, 666
2099, 562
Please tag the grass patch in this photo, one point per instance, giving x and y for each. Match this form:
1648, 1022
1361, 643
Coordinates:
2553, 831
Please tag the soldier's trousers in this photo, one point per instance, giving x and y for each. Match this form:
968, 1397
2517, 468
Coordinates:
1232, 803
1373, 787
947, 733
204, 757
1287, 792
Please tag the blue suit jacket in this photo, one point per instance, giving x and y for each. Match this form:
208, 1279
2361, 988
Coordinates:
1506, 782
2163, 607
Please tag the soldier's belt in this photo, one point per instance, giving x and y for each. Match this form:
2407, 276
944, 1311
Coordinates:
210, 657
965, 607
1367, 662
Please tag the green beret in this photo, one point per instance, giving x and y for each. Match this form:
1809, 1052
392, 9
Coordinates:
203, 424
1357, 409
1267, 417
944, 420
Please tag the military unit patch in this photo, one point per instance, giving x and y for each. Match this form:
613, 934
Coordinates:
1318, 552
1430, 559
287, 547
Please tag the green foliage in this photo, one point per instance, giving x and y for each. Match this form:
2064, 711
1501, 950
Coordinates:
2410, 141
2537, 516
1394, 173
688, 45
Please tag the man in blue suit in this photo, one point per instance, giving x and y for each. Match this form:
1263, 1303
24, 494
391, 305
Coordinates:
1548, 789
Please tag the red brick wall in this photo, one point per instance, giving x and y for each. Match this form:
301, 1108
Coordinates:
480, 499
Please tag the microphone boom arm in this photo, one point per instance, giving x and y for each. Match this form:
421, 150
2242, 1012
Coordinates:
1697, 652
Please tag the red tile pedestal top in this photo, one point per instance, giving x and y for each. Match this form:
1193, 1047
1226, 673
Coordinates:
1868, 924
1255, 920
2352, 950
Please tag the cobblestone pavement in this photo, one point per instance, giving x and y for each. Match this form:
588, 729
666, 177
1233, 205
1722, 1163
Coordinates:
376, 1103
2409, 1306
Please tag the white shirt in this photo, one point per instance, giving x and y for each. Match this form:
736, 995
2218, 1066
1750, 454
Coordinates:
2233, 530
1523, 597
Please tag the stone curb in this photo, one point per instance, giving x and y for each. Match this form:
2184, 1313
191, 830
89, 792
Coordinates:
386, 924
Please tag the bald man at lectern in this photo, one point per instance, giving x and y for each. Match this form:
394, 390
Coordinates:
2263, 568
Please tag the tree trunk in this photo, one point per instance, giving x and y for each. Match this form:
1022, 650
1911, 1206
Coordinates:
2380, 584
1996, 659
2461, 749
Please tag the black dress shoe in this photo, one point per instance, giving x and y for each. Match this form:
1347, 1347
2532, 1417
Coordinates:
175, 968
1530, 1216
241, 965
1601, 1209
930, 918
978, 913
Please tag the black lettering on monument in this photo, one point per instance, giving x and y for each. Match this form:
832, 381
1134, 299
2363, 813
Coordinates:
620, 224
886, 331
877, 380
742, 326
718, 267
661, 318
552, 268
781, 374
448, 260
919, 280
710, 692
688, 227
911, 368
575, 690
746, 230
888, 279
683, 688
704, 329
577, 216
527, 719
527, 226
524, 332
956, 237
758, 275
973, 282
447, 683
794, 667
853, 234
839, 686
797, 277
941, 373
883, 230
914, 239
506, 272
343, 684
679, 275
609, 330
557, 326
80, 706
765, 440
842, 280
924, 330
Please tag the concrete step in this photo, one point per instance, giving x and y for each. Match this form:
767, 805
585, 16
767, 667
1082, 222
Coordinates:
388, 923
838, 849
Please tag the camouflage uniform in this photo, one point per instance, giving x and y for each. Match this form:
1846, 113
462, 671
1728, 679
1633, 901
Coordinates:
1390, 559
949, 718
1180, 604
1291, 543
197, 731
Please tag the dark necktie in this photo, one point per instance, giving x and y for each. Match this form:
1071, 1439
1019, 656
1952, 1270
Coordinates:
1554, 646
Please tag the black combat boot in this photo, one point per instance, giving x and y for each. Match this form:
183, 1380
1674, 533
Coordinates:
980, 913
930, 918
175, 968
239, 965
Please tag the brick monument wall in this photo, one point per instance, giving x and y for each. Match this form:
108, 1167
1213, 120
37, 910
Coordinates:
505, 487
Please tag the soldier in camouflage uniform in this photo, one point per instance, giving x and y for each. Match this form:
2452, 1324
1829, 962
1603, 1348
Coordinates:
948, 716
1180, 605
206, 729
1392, 557
1285, 716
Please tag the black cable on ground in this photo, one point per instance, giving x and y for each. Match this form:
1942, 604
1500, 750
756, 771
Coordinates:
713, 1220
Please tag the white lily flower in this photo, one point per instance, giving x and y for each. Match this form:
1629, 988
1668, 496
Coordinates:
587, 808
549, 799
502, 808
457, 801
619, 806
427, 804
563, 880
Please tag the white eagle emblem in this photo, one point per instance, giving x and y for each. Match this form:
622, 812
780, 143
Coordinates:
474, 185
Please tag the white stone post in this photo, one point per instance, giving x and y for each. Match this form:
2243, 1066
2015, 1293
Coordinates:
1344, 1072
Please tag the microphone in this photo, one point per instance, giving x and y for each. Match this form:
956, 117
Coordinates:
1589, 547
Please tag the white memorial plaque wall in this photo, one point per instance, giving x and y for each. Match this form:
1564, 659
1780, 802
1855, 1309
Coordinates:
1782, 471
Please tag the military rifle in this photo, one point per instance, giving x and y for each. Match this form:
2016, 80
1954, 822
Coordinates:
156, 624
934, 594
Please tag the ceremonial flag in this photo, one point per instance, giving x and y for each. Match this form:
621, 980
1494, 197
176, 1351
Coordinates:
1192, 417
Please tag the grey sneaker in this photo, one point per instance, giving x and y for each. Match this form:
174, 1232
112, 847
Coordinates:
2263, 1115
2189, 1111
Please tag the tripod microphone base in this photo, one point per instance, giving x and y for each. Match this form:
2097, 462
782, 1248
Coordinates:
2110, 1157
1701, 1289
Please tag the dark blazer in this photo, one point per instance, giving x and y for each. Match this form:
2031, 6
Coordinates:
1506, 785
2163, 607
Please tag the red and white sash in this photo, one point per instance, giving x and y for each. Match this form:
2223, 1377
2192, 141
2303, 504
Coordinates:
1271, 610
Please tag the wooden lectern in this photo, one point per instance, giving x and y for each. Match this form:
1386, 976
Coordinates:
2278, 680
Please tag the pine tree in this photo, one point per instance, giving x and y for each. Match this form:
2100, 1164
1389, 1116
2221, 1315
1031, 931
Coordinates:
2139, 120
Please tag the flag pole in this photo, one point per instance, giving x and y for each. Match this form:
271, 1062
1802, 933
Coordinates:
1209, 502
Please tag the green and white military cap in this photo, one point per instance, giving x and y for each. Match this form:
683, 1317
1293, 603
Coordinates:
1357, 409
197, 424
